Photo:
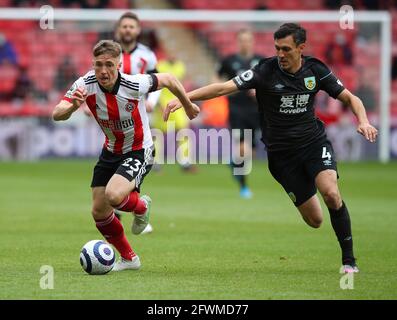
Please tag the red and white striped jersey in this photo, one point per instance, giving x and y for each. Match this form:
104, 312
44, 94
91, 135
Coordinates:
121, 114
139, 60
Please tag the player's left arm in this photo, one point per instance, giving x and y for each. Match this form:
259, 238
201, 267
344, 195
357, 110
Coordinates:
169, 81
356, 105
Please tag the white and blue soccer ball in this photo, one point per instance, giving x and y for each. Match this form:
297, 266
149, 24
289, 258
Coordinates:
97, 257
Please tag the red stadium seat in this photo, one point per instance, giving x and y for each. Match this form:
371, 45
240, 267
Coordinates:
8, 76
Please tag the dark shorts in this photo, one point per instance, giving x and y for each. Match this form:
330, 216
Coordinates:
239, 120
296, 171
134, 165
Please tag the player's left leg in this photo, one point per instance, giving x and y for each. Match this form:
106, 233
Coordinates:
123, 196
311, 212
122, 190
326, 183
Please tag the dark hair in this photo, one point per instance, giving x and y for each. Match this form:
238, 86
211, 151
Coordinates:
107, 46
288, 29
128, 15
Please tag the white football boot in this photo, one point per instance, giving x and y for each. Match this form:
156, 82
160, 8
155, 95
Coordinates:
124, 264
148, 229
141, 221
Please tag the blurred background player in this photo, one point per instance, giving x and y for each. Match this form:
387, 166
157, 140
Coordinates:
116, 102
136, 59
243, 109
177, 120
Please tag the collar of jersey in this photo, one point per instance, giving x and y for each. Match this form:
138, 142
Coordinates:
115, 87
304, 58
131, 51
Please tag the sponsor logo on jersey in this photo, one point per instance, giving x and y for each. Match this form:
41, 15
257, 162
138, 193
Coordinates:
310, 82
292, 104
116, 125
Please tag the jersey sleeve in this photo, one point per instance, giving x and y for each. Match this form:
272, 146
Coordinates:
77, 84
328, 81
145, 83
152, 63
248, 80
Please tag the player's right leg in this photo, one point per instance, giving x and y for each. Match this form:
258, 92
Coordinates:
111, 228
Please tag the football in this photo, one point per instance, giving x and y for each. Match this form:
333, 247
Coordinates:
97, 257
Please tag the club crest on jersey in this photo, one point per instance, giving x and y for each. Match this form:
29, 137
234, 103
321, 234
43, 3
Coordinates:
310, 83
129, 107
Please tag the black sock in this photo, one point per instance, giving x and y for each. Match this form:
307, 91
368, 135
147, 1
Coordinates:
241, 179
340, 221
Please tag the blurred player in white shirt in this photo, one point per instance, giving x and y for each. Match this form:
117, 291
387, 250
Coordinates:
136, 59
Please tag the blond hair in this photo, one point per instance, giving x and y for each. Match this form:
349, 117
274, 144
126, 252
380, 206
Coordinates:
107, 46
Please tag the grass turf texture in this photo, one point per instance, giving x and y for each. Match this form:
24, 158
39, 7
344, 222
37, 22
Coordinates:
208, 243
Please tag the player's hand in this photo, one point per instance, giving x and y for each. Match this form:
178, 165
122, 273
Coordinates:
172, 106
193, 111
368, 131
79, 97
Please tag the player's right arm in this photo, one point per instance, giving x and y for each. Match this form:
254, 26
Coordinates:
64, 109
249, 79
72, 100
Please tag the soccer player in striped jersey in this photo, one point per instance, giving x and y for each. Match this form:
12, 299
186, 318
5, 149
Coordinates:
136, 58
115, 100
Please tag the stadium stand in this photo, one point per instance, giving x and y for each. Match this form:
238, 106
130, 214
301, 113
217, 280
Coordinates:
29, 41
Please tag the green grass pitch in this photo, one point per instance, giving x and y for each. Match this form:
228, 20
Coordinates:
207, 243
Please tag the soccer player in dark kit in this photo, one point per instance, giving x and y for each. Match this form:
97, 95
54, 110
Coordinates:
300, 156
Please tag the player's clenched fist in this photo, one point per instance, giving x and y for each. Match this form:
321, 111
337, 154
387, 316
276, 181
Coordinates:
79, 97
193, 111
